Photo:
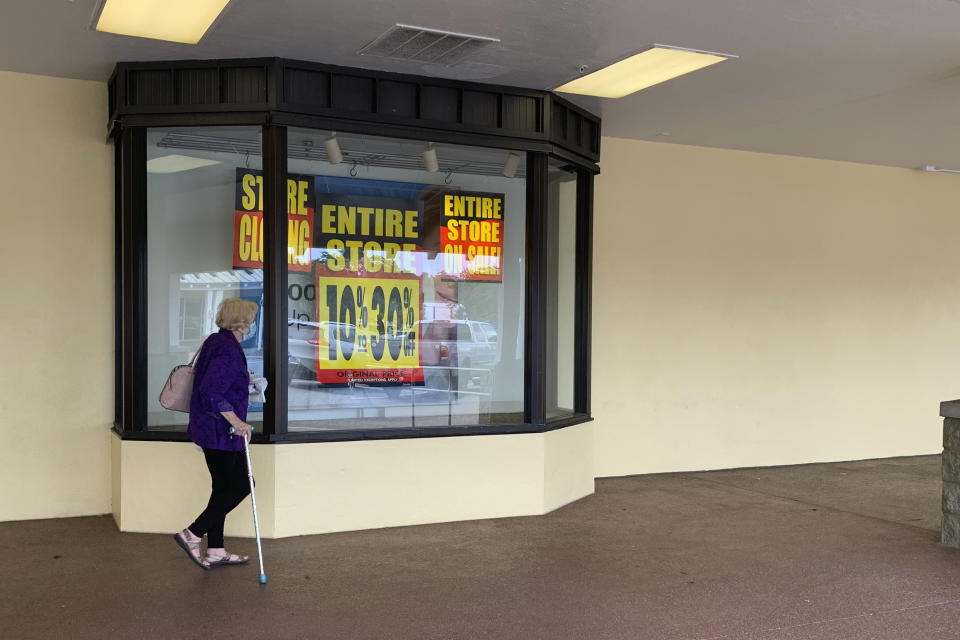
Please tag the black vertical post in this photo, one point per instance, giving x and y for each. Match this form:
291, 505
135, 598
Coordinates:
117, 285
584, 293
536, 301
551, 287
275, 278
134, 277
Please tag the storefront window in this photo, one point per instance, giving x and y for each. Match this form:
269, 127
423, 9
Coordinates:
200, 250
413, 286
561, 289
405, 283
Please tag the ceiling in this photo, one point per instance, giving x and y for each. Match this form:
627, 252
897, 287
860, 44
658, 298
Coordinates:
873, 81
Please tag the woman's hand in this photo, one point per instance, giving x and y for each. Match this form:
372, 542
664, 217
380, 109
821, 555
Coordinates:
237, 426
243, 429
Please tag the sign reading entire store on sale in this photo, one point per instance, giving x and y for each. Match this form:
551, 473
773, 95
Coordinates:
472, 238
362, 256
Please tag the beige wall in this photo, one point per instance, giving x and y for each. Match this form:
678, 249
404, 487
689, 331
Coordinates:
754, 309
568, 465
161, 487
345, 486
56, 256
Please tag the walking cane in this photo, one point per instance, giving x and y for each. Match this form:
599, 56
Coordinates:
253, 499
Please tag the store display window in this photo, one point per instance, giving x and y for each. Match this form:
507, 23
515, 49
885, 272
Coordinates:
412, 280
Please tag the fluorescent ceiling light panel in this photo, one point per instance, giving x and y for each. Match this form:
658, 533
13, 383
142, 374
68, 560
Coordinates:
173, 20
176, 163
653, 66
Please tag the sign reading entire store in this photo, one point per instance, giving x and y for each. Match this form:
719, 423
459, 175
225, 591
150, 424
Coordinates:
367, 274
367, 254
472, 238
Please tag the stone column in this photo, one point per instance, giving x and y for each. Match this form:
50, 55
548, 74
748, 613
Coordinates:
950, 474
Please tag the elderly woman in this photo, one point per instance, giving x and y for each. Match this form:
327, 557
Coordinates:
219, 403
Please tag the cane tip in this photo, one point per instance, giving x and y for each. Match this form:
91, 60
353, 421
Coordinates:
263, 578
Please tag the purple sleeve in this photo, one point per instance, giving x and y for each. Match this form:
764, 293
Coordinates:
219, 375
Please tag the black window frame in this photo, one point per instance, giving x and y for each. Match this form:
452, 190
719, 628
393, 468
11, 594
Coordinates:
146, 95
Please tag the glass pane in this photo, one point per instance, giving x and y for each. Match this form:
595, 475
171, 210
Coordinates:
406, 286
561, 288
200, 251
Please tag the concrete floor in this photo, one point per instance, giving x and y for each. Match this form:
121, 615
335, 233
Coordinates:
847, 551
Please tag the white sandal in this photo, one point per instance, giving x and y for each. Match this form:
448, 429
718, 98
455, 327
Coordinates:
182, 539
214, 560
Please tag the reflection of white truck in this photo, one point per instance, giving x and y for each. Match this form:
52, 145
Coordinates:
463, 344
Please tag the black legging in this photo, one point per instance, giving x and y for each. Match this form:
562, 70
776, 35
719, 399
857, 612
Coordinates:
228, 471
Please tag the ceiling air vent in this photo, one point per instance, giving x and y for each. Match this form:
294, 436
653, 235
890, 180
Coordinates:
405, 42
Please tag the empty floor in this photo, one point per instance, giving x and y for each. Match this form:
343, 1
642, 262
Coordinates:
846, 550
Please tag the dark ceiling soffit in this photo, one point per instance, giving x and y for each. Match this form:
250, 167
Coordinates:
272, 88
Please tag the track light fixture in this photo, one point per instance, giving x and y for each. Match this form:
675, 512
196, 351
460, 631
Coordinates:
511, 165
430, 161
334, 155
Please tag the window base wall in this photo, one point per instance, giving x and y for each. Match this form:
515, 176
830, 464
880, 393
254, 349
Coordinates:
312, 488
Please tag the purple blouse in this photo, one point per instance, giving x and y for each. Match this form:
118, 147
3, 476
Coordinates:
220, 382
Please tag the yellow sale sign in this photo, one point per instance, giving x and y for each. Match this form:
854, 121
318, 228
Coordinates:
368, 329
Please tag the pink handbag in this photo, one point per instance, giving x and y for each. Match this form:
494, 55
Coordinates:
176, 392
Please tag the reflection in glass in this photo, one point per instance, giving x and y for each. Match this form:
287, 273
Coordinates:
405, 287
194, 242
561, 289
405, 308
